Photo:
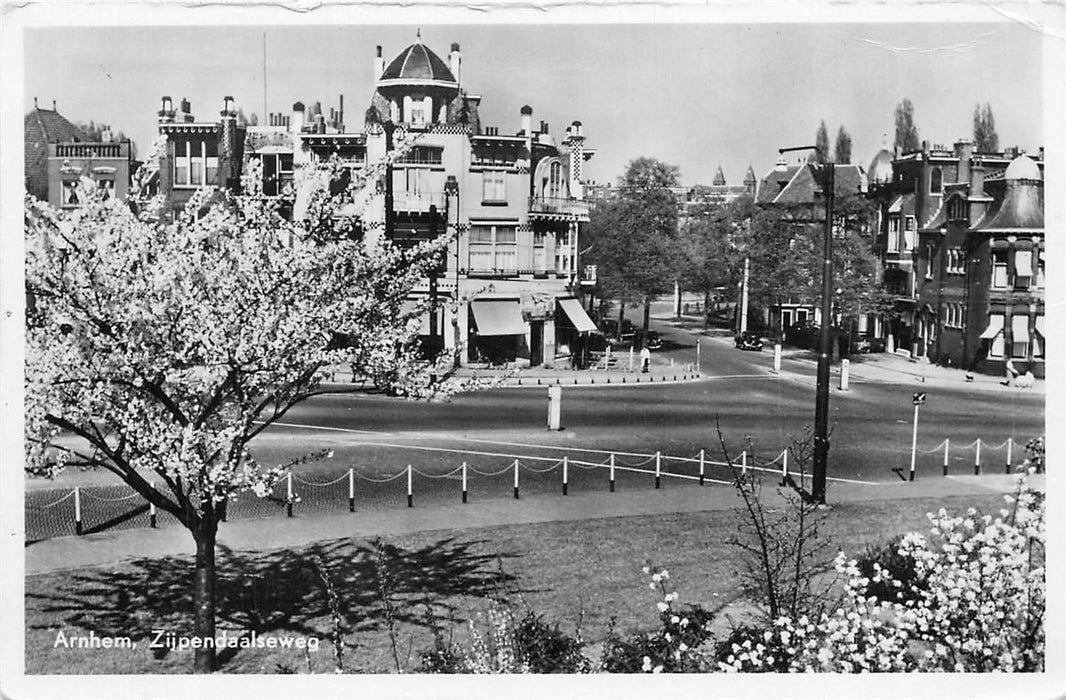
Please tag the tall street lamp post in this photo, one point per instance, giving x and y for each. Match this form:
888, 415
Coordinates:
451, 190
825, 175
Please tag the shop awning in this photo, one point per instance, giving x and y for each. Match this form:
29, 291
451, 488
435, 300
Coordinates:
1019, 325
1040, 326
498, 318
995, 326
1023, 263
576, 314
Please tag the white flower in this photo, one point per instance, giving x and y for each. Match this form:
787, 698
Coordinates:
663, 607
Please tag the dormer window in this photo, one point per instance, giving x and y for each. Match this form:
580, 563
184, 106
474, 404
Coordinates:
936, 181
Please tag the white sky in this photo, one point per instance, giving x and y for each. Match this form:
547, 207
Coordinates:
693, 95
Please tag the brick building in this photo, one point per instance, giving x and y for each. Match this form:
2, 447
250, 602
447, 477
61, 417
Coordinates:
961, 237
509, 286
59, 156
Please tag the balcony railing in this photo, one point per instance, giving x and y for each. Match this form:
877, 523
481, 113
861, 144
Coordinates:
557, 205
90, 150
417, 201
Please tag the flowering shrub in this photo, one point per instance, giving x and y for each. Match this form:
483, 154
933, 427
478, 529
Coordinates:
673, 648
980, 608
529, 645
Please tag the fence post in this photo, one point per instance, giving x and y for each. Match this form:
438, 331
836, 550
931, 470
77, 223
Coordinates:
464, 482
977, 459
151, 511
288, 494
566, 468
947, 447
1010, 446
658, 468
77, 511
351, 489
410, 492
784, 467
612, 472
744, 463
914, 439
701, 466
516, 478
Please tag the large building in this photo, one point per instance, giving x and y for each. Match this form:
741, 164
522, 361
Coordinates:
961, 237
509, 288
60, 158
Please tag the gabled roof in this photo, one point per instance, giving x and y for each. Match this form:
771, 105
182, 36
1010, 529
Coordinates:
802, 186
775, 182
41, 127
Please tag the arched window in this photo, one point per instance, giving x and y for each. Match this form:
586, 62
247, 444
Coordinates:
936, 181
555, 179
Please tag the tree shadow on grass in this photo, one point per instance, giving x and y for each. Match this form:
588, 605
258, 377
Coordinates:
277, 591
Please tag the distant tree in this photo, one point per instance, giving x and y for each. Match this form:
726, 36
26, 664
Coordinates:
842, 150
985, 138
94, 133
633, 238
253, 120
906, 131
821, 145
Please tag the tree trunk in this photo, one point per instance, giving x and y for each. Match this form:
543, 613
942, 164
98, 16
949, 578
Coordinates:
204, 621
647, 314
706, 307
621, 317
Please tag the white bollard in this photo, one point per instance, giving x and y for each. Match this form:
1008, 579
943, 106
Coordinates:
351, 489
784, 465
288, 494
464, 482
777, 357
914, 439
977, 458
744, 462
566, 470
845, 371
702, 458
77, 511
947, 448
658, 468
1010, 445
410, 490
630, 358
555, 407
516, 478
612, 473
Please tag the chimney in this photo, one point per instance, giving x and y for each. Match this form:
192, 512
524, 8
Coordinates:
105, 136
379, 66
1041, 154
455, 62
297, 117
527, 120
340, 116
227, 107
964, 152
166, 110
544, 127
577, 159
320, 123
54, 106
977, 180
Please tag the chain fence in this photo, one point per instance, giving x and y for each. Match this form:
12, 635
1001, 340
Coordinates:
89, 509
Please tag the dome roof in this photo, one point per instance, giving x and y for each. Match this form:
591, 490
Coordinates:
417, 63
1023, 168
880, 169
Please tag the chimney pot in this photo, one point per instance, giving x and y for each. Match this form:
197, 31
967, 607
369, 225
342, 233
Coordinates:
379, 51
455, 46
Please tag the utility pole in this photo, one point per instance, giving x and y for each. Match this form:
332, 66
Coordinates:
826, 176
744, 296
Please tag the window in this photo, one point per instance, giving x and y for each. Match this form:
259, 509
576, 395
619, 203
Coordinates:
418, 113
70, 194
195, 163
908, 236
999, 269
493, 188
996, 349
540, 259
277, 173
555, 179
893, 234
957, 209
423, 155
415, 181
929, 252
954, 315
106, 187
1040, 270
956, 263
1023, 268
493, 248
936, 181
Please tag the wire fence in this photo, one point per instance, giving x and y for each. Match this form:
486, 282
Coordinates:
485, 475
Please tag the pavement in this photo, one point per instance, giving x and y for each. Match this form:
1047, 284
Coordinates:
112, 547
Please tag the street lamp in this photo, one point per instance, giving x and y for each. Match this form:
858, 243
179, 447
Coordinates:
825, 175
451, 189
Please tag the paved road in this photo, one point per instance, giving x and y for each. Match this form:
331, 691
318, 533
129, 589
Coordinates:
871, 422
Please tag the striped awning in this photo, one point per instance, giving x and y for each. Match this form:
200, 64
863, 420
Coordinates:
578, 318
995, 326
498, 317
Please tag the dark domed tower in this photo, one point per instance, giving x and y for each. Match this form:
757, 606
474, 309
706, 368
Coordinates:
416, 88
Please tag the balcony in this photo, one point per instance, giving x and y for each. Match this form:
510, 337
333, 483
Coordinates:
90, 150
417, 201
558, 208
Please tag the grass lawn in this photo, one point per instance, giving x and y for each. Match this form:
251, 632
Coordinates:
574, 572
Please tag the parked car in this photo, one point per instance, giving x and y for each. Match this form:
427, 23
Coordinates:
650, 340
609, 326
748, 341
864, 344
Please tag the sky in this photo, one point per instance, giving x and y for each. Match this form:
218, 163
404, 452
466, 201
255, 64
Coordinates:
698, 96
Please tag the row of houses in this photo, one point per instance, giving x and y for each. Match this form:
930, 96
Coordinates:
513, 199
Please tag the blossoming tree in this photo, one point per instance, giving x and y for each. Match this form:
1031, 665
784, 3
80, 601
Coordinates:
159, 347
